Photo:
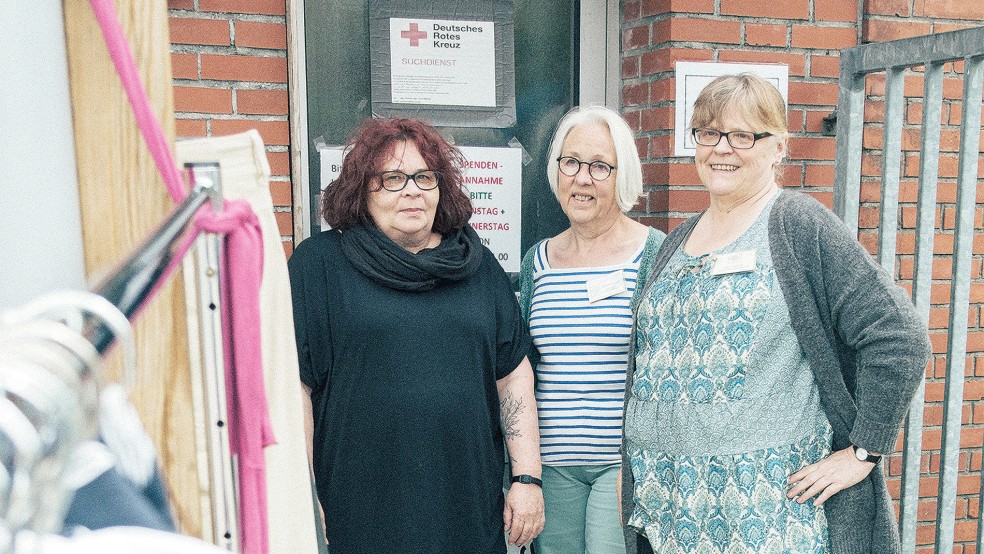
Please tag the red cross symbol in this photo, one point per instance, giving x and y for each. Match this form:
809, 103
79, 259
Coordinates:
414, 34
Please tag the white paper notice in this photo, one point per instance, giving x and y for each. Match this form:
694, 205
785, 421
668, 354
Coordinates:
493, 178
442, 62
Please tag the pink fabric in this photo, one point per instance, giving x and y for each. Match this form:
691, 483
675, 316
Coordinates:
150, 126
249, 422
247, 414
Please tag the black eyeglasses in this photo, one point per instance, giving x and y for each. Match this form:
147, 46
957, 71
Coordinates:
395, 181
741, 140
598, 170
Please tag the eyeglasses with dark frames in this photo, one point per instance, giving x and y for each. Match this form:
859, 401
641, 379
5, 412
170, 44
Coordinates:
598, 170
741, 140
395, 181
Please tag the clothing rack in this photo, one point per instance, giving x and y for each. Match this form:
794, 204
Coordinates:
50, 356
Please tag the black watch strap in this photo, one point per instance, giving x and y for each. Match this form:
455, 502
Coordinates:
527, 480
863, 455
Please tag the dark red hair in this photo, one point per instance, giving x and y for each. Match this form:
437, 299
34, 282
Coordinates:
345, 202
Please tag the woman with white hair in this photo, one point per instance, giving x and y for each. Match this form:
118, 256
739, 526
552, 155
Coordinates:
577, 291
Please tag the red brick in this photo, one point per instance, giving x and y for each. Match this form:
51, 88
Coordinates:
827, 38
281, 193
635, 37
189, 127
272, 132
180, 4
796, 62
663, 90
257, 34
951, 9
887, 7
696, 30
813, 94
634, 95
202, 100
757, 34
814, 120
661, 146
279, 163
244, 68
836, 10
288, 247
819, 175
791, 175
791, 9
649, 8
267, 102
939, 27
663, 59
824, 66
210, 32
813, 148
630, 67
184, 66
658, 119
687, 200
882, 30
262, 7
285, 222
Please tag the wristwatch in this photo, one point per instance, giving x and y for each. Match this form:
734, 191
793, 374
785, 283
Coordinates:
864, 456
527, 480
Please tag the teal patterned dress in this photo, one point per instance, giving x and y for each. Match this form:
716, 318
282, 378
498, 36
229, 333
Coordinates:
722, 410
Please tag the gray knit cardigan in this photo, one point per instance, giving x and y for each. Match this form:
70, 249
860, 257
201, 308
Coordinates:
865, 344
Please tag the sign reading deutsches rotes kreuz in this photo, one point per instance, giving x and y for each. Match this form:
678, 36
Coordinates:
442, 62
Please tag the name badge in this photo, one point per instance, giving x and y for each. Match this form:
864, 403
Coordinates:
605, 286
734, 262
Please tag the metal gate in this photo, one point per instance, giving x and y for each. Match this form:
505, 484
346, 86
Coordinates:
936, 60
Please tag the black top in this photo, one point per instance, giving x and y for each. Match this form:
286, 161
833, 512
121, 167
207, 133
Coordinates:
408, 452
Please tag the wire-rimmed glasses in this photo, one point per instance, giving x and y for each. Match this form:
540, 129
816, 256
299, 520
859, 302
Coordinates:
598, 170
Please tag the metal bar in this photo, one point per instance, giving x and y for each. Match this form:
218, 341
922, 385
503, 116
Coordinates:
959, 300
953, 45
129, 286
891, 167
929, 152
850, 127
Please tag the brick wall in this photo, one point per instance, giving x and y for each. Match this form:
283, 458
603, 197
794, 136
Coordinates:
807, 36
229, 60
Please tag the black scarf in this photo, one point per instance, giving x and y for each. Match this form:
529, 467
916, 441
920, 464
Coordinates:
389, 264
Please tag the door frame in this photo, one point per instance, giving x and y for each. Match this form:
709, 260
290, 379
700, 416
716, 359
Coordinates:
598, 55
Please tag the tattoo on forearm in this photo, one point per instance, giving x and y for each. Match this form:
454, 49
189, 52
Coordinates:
509, 409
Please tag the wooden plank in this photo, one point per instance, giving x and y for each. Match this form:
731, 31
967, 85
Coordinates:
122, 200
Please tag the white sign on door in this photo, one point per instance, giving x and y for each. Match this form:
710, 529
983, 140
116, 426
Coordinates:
442, 62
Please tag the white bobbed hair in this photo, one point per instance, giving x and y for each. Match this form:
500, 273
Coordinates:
628, 176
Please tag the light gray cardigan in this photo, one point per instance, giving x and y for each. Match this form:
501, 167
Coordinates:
866, 346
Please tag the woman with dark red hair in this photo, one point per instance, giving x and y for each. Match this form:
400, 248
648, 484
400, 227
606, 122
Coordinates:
413, 359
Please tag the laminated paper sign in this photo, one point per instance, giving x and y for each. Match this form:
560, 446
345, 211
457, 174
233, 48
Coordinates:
450, 63
442, 62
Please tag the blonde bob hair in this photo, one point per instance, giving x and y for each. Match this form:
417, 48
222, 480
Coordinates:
628, 176
748, 96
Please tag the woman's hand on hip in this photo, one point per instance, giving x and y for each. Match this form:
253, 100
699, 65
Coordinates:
828, 477
523, 515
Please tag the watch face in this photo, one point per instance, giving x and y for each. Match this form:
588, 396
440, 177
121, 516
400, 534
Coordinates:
860, 453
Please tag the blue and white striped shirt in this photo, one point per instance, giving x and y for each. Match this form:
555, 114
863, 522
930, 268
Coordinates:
583, 350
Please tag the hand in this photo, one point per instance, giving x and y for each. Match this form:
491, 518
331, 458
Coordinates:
523, 514
828, 477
